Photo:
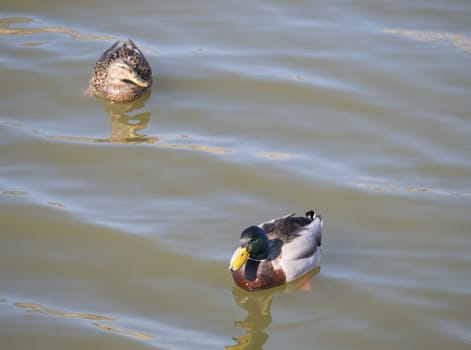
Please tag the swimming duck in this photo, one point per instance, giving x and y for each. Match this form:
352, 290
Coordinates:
121, 74
277, 251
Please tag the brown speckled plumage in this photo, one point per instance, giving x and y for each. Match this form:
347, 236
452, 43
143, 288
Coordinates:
137, 73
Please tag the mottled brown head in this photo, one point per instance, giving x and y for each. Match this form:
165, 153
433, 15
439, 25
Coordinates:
121, 74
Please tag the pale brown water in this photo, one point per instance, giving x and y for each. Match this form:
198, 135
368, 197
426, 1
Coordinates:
117, 222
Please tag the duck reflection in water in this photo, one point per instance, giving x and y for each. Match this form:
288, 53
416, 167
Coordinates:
124, 128
258, 307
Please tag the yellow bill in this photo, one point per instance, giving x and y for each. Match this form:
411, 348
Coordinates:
238, 259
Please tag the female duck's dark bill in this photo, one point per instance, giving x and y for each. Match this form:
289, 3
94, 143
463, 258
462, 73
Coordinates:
135, 79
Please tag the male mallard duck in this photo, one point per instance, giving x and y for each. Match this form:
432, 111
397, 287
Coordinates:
121, 74
277, 251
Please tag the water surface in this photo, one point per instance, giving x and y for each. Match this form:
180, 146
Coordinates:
117, 221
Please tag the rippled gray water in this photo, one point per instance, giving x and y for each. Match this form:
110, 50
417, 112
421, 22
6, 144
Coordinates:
117, 221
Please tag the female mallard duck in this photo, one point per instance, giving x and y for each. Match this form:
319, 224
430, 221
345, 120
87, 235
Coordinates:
121, 74
277, 251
